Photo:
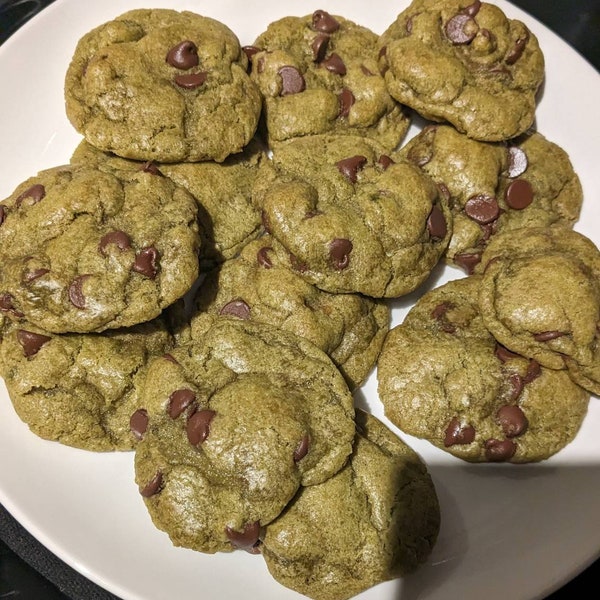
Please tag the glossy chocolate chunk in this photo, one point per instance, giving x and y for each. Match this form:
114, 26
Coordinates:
179, 401
237, 308
198, 426
292, 81
138, 423
117, 238
153, 486
458, 433
146, 262
519, 194
183, 56
512, 419
339, 252
323, 21
31, 342
190, 81
349, 167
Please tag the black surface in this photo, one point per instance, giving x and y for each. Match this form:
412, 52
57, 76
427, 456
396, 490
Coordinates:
28, 571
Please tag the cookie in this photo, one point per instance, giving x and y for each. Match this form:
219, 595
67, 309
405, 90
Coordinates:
465, 63
84, 250
233, 423
223, 191
376, 520
318, 74
80, 389
258, 285
527, 182
352, 219
158, 84
540, 295
444, 378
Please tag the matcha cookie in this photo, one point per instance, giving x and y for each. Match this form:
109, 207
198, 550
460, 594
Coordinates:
375, 520
258, 285
540, 295
527, 182
352, 219
80, 389
233, 423
319, 74
158, 84
466, 63
227, 217
444, 378
84, 250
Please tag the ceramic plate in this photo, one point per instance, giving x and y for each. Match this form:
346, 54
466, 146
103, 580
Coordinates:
508, 531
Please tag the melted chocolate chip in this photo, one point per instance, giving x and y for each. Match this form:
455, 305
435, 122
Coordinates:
250, 51
323, 21
504, 354
236, 308
34, 274
517, 161
385, 161
436, 223
246, 539
146, 262
31, 342
319, 47
516, 386
292, 81
472, 9
262, 256
302, 448
349, 167
499, 450
516, 51
461, 28
179, 401
482, 208
76, 295
138, 423
346, 99
183, 56
190, 81
512, 420
198, 426
117, 238
467, 261
439, 314
339, 252
33, 194
546, 336
153, 486
519, 194
534, 370
457, 433
150, 167
334, 64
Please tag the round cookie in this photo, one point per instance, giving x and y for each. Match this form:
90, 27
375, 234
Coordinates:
258, 285
227, 217
80, 389
352, 219
158, 84
444, 378
376, 520
233, 422
319, 74
540, 295
84, 250
527, 182
466, 63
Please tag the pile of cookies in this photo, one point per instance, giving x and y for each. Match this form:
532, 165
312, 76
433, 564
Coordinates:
210, 277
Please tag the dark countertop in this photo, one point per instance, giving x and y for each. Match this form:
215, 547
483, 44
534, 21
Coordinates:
28, 571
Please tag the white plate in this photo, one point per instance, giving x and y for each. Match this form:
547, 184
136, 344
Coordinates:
508, 531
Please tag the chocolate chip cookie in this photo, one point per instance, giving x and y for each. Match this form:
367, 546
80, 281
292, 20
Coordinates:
258, 285
158, 84
376, 520
319, 74
85, 250
444, 378
352, 219
466, 63
232, 423
526, 182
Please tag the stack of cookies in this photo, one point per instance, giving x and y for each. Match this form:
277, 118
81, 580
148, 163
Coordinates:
211, 277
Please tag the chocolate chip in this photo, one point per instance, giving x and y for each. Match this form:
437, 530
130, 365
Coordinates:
311, 214
35, 274
250, 51
31, 342
190, 81
534, 370
467, 261
297, 264
439, 314
516, 386
504, 354
323, 21
292, 81
179, 400
183, 56
6, 303
198, 426
384, 161
2, 214
153, 486
76, 295
482, 208
334, 64
519, 194
34, 194
349, 167
499, 450
262, 256
146, 262
246, 539
512, 420
170, 358
236, 308
346, 99
301, 449
516, 51
546, 336
458, 433
366, 71
472, 9
138, 423
319, 47
150, 167
436, 223
118, 238
339, 252
517, 161
461, 28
